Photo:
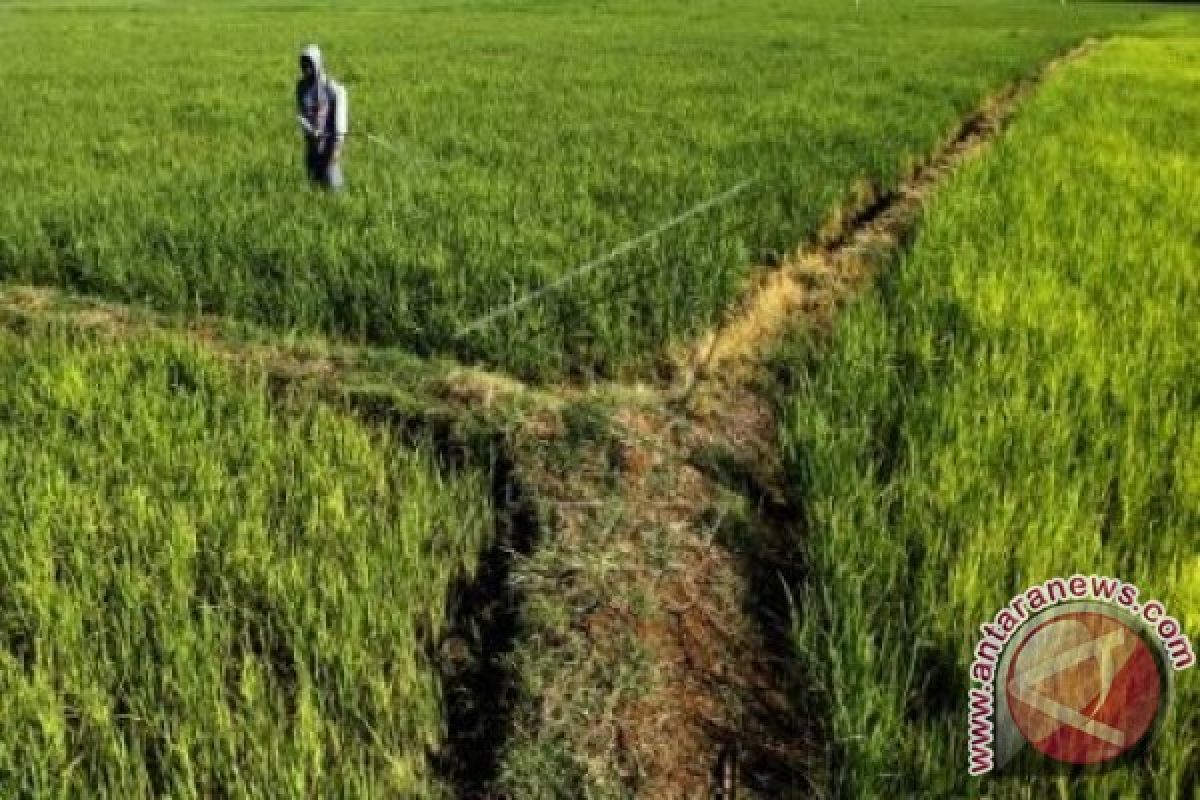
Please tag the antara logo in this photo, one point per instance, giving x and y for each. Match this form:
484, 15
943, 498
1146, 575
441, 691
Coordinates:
1076, 669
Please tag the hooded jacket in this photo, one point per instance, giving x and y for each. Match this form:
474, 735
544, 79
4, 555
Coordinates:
321, 102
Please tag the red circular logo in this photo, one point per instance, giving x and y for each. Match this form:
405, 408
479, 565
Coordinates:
1084, 687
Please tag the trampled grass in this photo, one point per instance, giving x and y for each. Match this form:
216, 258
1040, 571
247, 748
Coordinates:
205, 595
1017, 401
152, 154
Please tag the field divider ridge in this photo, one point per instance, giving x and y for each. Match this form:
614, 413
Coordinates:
817, 278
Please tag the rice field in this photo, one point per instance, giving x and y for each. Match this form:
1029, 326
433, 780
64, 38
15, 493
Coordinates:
1016, 401
159, 161
215, 583
204, 593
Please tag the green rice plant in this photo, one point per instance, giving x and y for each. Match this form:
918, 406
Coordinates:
154, 157
203, 594
1016, 401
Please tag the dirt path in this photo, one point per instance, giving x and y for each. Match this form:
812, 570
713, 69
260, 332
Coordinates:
653, 644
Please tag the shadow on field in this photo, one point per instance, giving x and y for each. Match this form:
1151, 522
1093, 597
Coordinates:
472, 655
474, 658
775, 748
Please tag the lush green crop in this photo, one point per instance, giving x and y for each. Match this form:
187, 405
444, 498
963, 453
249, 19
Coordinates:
151, 154
1018, 401
203, 595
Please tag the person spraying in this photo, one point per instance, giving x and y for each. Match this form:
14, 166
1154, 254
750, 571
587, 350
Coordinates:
324, 115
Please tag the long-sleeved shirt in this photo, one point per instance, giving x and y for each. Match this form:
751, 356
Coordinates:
334, 122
